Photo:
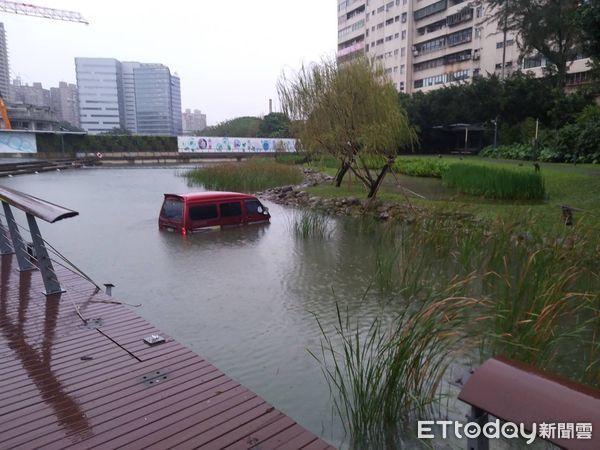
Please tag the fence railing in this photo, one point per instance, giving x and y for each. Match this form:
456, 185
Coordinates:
11, 240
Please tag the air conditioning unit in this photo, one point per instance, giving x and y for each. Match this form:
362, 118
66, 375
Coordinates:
415, 53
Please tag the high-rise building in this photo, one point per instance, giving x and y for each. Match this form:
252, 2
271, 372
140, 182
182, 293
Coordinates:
157, 100
193, 121
4, 69
100, 87
64, 100
142, 98
129, 95
427, 44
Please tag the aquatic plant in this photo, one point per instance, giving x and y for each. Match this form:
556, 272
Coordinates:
307, 223
385, 377
495, 182
248, 176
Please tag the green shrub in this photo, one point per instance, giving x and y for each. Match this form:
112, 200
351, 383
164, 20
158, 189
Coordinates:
513, 151
248, 176
495, 182
292, 158
421, 167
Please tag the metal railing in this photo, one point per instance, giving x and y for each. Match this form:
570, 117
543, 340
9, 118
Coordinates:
11, 240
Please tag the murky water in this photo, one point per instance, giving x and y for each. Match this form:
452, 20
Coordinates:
243, 298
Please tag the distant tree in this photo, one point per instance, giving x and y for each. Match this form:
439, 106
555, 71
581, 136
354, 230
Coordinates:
238, 127
349, 112
589, 21
549, 27
116, 131
274, 125
67, 126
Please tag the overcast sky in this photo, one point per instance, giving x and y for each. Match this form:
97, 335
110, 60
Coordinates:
228, 53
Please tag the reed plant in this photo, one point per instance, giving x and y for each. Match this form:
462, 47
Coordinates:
248, 176
390, 375
308, 223
499, 183
492, 288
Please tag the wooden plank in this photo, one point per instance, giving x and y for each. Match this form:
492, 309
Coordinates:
67, 385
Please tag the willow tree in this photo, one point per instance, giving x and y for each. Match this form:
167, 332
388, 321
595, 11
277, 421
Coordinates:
348, 111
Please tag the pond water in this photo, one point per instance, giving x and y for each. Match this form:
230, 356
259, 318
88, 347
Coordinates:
243, 298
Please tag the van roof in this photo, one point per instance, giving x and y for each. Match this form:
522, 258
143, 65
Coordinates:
211, 195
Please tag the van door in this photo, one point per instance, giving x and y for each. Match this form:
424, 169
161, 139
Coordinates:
171, 214
231, 213
255, 211
203, 215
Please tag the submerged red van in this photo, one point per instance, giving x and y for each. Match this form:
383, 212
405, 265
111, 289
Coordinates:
191, 212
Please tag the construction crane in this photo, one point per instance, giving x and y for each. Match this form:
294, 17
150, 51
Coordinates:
35, 11
40, 11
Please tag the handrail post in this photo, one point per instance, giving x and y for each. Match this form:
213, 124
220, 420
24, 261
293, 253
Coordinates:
51, 283
18, 244
5, 247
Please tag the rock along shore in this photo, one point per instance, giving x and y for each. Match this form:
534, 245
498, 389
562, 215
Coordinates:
296, 196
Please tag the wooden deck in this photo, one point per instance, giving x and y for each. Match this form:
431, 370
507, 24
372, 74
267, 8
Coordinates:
76, 373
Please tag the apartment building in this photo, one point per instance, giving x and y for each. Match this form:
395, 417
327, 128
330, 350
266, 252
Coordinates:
427, 44
193, 121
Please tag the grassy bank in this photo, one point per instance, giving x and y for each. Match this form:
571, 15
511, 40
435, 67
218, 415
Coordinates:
565, 184
249, 176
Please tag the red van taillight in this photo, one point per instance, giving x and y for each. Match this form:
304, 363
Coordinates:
183, 231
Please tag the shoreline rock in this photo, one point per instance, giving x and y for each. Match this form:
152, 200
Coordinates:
296, 196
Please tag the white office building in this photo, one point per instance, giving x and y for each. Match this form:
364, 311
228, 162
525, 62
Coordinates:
100, 94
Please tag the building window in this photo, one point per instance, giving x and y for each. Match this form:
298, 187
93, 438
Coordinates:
479, 11
403, 51
477, 33
402, 68
403, 34
460, 37
431, 9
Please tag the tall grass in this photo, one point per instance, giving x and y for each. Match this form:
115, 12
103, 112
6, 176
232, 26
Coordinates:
308, 223
495, 182
390, 375
251, 175
510, 290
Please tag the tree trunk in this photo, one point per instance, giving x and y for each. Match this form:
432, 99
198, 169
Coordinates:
341, 173
377, 184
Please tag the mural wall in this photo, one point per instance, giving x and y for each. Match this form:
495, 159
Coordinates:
15, 142
205, 144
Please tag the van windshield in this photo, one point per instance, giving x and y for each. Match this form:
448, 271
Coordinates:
172, 209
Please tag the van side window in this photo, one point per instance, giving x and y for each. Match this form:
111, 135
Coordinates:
203, 212
172, 209
231, 209
254, 207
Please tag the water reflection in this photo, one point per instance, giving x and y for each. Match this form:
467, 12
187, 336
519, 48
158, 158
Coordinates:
38, 364
243, 297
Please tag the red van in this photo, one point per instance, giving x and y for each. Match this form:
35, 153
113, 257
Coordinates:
191, 212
